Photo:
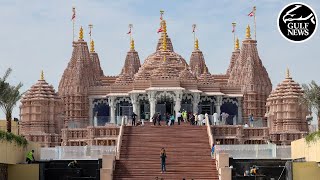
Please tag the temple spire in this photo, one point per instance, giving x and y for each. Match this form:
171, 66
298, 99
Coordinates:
196, 44
92, 46
42, 75
81, 33
288, 73
237, 44
132, 45
248, 34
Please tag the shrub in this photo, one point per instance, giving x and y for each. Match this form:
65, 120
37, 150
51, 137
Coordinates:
313, 137
10, 137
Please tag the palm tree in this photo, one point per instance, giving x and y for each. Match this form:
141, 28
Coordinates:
311, 98
10, 95
3, 84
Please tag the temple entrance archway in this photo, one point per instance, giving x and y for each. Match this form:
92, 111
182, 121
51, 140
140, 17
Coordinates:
230, 106
165, 104
186, 103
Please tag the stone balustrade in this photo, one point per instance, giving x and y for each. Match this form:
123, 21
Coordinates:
45, 140
231, 134
101, 135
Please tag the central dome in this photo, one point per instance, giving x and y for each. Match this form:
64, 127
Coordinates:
174, 64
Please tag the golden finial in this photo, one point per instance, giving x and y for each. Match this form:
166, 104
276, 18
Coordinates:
92, 46
164, 37
287, 73
42, 75
81, 34
237, 44
164, 26
248, 34
196, 44
132, 45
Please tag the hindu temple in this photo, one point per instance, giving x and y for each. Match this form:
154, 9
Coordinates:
90, 104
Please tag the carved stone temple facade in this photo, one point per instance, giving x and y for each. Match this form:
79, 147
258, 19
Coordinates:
165, 82
286, 116
41, 114
93, 103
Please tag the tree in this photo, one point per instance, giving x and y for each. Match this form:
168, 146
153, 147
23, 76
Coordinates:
10, 95
4, 84
311, 98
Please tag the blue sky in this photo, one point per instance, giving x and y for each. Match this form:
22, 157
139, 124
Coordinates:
36, 35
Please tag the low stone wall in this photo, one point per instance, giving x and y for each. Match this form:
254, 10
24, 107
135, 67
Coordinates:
23, 172
300, 149
306, 170
11, 153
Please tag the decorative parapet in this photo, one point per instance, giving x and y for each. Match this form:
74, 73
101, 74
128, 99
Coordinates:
90, 135
237, 134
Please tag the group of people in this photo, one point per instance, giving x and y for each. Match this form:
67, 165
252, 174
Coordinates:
184, 116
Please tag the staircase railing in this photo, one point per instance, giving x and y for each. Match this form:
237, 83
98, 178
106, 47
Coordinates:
209, 131
119, 141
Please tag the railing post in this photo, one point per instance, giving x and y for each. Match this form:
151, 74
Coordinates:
119, 141
209, 131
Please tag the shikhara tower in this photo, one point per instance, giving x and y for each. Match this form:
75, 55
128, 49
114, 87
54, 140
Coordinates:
249, 73
83, 71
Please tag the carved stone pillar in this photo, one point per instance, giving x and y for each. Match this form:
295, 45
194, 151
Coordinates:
195, 102
177, 105
134, 102
91, 111
239, 110
112, 105
218, 104
152, 102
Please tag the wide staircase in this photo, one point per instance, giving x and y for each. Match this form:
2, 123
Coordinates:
187, 148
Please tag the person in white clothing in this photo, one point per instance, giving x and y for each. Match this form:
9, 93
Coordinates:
200, 119
195, 119
215, 118
206, 118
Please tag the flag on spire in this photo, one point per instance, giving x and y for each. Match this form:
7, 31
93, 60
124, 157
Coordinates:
193, 28
130, 28
160, 30
161, 14
129, 32
253, 12
73, 13
233, 27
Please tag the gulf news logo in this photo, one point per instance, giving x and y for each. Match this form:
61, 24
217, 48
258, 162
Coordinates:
297, 22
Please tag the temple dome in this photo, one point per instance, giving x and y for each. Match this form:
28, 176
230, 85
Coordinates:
41, 90
286, 89
164, 71
175, 63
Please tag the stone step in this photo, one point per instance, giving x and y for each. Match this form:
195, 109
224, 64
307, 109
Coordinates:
187, 148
